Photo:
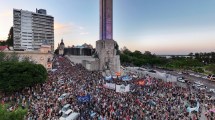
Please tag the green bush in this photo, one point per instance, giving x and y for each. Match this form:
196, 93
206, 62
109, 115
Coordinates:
211, 68
17, 114
18, 75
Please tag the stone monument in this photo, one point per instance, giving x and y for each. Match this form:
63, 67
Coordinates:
106, 47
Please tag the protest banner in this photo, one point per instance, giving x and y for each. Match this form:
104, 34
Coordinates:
85, 98
126, 78
108, 77
122, 88
110, 86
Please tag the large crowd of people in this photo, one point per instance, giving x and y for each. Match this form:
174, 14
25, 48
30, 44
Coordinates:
158, 100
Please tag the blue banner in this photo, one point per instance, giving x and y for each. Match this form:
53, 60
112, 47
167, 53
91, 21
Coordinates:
85, 98
108, 77
126, 78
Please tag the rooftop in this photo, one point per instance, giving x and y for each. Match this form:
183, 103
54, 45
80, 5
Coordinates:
2, 48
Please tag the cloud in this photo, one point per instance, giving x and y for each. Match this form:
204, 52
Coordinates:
6, 14
63, 28
69, 31
69, 28
176, 43
6, 18
84, 33
81, 28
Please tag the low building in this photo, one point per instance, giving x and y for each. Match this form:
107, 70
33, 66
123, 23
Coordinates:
80, 54
79, 50
4, 48
43, 56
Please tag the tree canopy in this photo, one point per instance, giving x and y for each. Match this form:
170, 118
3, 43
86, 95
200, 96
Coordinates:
9, 40
195, 61
17, 114
10, 37
15, 75
18, 75
138, 58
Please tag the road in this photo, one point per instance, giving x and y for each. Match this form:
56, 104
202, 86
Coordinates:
192, 79
206, 82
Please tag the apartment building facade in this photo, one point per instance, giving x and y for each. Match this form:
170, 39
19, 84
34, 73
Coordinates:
30, 29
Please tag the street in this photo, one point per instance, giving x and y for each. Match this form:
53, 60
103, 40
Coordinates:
192, 79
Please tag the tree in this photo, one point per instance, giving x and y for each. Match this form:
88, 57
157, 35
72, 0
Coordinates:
190, 54
56, 51
125, 58
13, 57
3, 43
2, 56
137, 54
15, 76
125, 50
147, 53
10, 37
117, 48
17, 114
197, 56
211, 68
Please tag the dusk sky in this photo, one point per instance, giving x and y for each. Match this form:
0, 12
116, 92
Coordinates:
159, 26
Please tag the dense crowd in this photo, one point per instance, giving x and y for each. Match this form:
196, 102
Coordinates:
158, 101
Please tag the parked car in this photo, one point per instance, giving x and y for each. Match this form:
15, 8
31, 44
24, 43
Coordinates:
63, 96
65, 115
192, 74
69, 115
64, 109
211, 77
199, 84
141, 69
135, 76
196, 75
152, 71
212, 90
181, 79
186, 73
205, 77
179, 73
74, 116
201, 88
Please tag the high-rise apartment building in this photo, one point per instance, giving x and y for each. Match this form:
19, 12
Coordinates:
30, 29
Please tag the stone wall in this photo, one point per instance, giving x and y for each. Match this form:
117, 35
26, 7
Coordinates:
107, 55
79, 59
88, 62
36, 56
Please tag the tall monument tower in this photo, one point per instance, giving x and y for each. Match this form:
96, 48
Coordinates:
106, 47
106, 19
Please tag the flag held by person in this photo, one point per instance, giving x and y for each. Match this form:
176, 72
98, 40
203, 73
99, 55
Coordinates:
85, 98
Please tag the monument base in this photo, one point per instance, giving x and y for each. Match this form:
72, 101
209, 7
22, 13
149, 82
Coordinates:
108, 59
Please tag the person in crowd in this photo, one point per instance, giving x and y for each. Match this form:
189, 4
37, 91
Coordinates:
158, 100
